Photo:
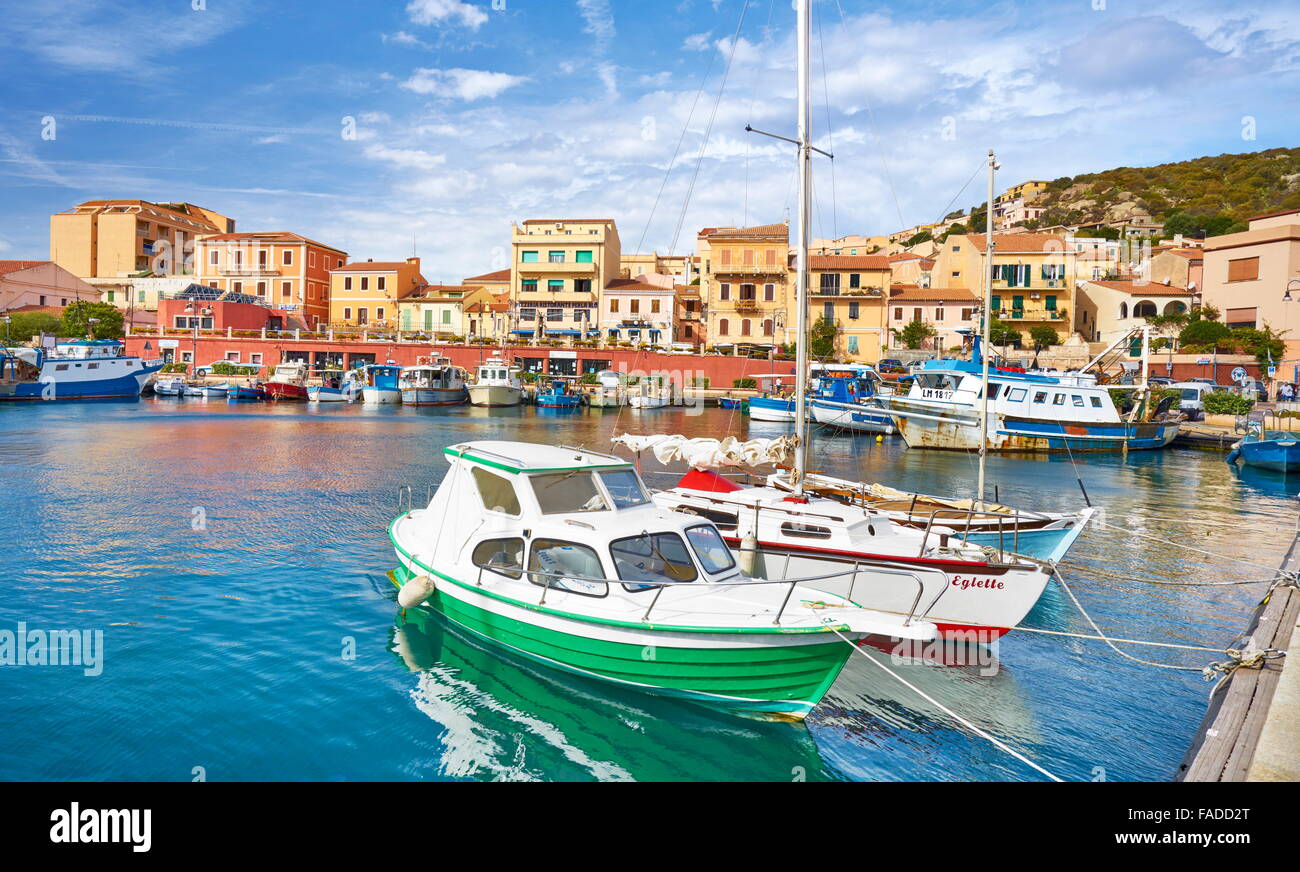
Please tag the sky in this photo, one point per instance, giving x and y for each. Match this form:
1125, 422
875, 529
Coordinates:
391, 127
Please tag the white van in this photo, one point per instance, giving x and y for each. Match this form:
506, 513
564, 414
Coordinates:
1192, 397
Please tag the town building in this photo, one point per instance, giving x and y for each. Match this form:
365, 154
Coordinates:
115, 238
286, 270
558, 267
910, 269
31, 285
1106, 310
1253, 277
688, 316
850, 291
490, 318
637, 311
746, 285
1180, 267
440, 310
497, 282
365, 293
951, 312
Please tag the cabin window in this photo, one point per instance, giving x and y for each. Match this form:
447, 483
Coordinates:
1058, 400
1096, 402
503, 556
805, 531
709, 546
1016, 395
652, 557
496, 491
1040, 397
994, 387
563, 492
566, 566
1078, 400
624, 488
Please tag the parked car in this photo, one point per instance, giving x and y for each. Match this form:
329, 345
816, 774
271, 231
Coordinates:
1192, 399
1160, 381
1254, 388
890, 366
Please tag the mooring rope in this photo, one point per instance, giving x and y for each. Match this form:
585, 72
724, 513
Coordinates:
1186, 547
949, 712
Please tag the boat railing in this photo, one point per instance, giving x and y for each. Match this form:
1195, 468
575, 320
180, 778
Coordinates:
969, 515
746, 581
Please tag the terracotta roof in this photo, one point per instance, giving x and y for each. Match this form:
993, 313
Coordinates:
372, 266
427, 291
8, 266
781, 230
1020, 243
501, 275
281, 236
915, 293
1144, 289
195, 217
848, 262
1274, 215
635, 285
49, 310
569, 221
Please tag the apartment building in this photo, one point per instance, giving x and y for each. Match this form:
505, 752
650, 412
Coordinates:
688, 316
910, 269
497, 281
637, 311
850, 292
488, 319
366, 293
951, 312
1253, 277
558, 267
745, 285
31, 285
117, 238
1032, 276
1178, 266
442, 310
284, 270
1106, 310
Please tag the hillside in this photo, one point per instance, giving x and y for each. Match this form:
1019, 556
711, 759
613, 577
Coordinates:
1208, 195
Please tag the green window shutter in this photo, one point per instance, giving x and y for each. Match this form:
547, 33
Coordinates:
555, 284
529, 257
446, 316
996, 302
428, 319
1051, 302
584, 257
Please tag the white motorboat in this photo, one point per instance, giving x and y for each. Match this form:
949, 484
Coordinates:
496, 383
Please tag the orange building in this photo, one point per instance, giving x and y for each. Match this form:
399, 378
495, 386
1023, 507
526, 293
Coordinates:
285, 270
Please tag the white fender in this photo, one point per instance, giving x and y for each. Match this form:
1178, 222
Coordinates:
416, 591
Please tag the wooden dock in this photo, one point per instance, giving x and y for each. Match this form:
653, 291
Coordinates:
1248, 734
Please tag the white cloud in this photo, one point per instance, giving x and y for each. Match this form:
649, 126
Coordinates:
404, 38
697, 41
461, 84
656, 80
408, 158
599, 20
450, 11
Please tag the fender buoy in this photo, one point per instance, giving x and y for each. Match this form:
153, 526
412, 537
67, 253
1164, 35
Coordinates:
416, 591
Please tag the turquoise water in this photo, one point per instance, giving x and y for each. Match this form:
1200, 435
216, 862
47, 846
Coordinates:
233, 555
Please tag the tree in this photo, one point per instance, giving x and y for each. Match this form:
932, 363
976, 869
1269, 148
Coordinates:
915, 333
821, 338
1206, 334
25, 325
1044, 336
917, 239
76, 320
1002, 334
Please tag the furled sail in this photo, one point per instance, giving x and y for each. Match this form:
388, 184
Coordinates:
710, 453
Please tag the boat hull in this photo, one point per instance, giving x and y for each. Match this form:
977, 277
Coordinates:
433, 396
326, 395
284, 391
769, 675
639, 402
381, 396
851, 416
125, 387
495, 395
1279, 455
946, 429
770, 409
730, 403
553, 401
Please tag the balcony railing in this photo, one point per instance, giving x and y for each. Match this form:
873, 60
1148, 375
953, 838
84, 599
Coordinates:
1030, 314
543, 266
746, 305
724, 269
248, 270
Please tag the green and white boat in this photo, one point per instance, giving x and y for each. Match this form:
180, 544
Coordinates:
559, 554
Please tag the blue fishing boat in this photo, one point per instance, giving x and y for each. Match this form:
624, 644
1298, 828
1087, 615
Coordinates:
85, 369
560, 395
842, 399
246, 392
775, 404
1267, 449
731, 402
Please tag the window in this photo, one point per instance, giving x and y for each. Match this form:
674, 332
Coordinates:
1243, 269
745, 328
528, 257
582, 257
828, 312
347, 283
966, 314
379, 313
724, 291
528, 286
747, 292
624, 488
938, 314
363, 315
1096, 402
654, 307
555, 285
496, 491
555, 256
582, 286
255, 357
613, 305
527, 314
1058, 400
1077, 400
853, 345
708, 546
566, 566
214, 257
805, 531
652, 557
563, 492
288, 257
768, 327
286, 289
261, 258
554, 314
634, 307
379, 283
855, 280
365, 283
347, 313
1016, 395
916, 314
723, 326
769, 293
898, 314
261, 289
504, 556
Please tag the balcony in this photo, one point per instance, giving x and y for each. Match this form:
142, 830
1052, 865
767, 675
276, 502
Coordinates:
746, 305
248, 270
1036, 314
753, 269
527, 270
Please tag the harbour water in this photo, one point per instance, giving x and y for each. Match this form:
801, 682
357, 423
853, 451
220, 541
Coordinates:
234, 558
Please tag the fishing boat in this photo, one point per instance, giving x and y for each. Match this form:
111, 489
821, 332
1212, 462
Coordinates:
381, 383
172, 386
246, 392
212, 392
1025, 412
1278, 450
651, 392
337, 386
559, 395
287, 382
842, 399
609, 391
84, 369
774, 403
559, 555
439, 383
496, 383
731, 402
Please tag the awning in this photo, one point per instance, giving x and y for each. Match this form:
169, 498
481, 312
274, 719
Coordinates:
563, 333
526, 332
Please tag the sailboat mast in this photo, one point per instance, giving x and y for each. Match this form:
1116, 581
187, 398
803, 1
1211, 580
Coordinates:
803, 19
984, 341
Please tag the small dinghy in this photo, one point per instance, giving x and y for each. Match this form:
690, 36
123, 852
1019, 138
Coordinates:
1278, 450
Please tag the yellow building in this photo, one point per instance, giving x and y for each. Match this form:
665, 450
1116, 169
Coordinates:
286, 270
441, 310
850, 292
1027, 191
745, 285
498, 281
558, 267
366, 293
1033, 282
117, 238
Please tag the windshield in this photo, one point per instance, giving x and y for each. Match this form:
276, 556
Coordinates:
709, 547
562, 492
1191, 394
654, 557
624, 488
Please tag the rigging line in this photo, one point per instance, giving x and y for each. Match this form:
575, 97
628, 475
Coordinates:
830, 136
943, 708
1188, 547
948, 209
1122, 641
749, 118
686, 125
708, 130
871, 116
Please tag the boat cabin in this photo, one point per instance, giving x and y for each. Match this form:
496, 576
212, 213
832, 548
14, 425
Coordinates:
1067, 397
382, 375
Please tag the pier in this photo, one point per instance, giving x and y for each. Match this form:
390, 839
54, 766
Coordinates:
1252, 728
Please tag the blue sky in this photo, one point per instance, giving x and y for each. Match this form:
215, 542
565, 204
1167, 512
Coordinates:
470, 114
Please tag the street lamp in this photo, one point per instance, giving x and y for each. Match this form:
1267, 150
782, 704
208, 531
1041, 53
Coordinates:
1286, 298
90, 327
8, 320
